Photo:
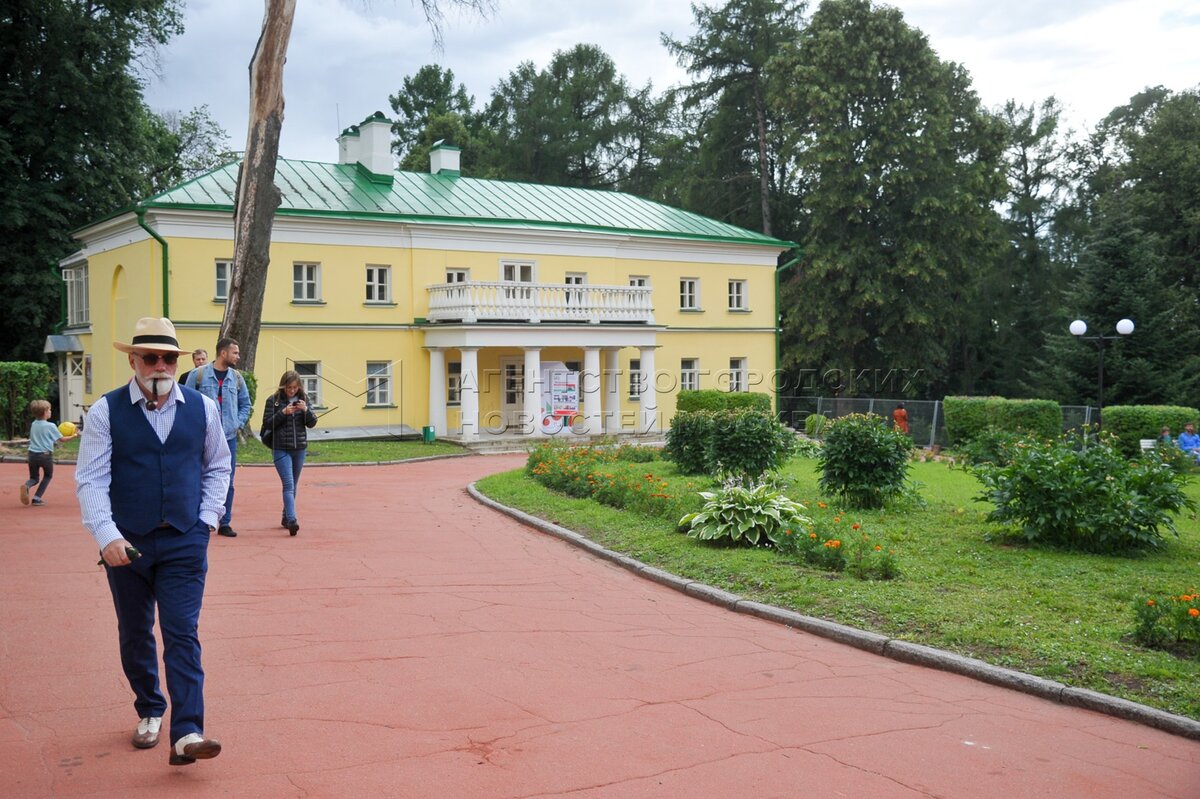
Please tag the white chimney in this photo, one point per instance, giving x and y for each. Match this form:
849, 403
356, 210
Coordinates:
348, 146
375, 144
444, 159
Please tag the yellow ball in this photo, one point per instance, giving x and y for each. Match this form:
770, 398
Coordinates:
67, 428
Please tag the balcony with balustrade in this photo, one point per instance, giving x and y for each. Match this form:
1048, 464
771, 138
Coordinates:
507, 301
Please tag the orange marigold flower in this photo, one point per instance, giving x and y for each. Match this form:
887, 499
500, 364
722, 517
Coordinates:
854, 526
1193, 612
822, 505
812, 535
837, 519
1150, 602
878, 548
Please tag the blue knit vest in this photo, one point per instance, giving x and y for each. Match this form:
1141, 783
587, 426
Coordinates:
154, 482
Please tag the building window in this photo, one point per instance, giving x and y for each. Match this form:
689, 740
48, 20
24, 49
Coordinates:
223, 270
737, 295
689, 374
379, 284
454, 383
639, 281
737, 374
76, 278
635, 379
574, 279
517, 272
689, 294
306, 282
379, 382
310, 380
458, 275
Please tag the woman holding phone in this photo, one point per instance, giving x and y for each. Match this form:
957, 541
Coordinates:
286, 419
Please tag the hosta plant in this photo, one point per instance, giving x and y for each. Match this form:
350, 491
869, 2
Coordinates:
756, 515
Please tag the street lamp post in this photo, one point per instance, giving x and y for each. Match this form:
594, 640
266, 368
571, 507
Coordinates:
1078, 329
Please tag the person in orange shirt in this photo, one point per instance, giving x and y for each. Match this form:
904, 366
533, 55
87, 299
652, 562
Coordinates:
900, 418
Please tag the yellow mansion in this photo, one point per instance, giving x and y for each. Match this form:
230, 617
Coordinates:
412, 300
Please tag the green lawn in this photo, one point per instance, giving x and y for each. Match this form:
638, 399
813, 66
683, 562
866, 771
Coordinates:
357, 451
1060, 615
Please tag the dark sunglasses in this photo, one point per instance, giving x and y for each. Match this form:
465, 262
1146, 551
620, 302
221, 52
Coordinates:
151, 358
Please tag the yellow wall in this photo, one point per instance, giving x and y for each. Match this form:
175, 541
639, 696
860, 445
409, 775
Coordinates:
343, 332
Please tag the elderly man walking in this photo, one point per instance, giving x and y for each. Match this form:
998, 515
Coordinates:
221, 382
151, 478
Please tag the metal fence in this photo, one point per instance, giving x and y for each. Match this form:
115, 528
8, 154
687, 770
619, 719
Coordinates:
926, 422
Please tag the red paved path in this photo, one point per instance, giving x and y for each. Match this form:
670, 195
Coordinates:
411, 643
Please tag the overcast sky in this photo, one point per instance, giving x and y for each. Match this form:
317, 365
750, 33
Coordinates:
347, 56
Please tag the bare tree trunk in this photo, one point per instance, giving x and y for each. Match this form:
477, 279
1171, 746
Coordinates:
257, 195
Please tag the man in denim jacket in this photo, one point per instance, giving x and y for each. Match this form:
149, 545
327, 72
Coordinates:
220, 382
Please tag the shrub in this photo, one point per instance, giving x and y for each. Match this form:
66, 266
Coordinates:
833, 542
1082, 494
737, 514
967, 417
21, 382
1129, 424
864, 460
1165, 621
712, 400
814, 425
687, 441
991, 445
748, 443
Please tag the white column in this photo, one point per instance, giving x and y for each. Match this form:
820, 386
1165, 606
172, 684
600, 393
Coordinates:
532, 400
437, 390
590, 389
612, 392
649, 398
469, 405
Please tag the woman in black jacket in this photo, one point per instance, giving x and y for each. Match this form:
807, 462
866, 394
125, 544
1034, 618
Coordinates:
286, 419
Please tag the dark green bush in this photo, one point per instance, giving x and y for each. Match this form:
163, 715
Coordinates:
21, 382
864, 460
687, 441
1129, 424
1083, 494
713, 400
967, 417
748, 444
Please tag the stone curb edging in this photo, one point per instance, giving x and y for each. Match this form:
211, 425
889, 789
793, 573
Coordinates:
896, 649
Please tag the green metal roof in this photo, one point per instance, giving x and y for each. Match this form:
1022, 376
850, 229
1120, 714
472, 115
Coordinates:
312, 188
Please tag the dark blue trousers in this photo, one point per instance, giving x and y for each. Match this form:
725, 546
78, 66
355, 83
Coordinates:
170, 575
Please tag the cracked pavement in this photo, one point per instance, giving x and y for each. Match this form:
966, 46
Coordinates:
410, 642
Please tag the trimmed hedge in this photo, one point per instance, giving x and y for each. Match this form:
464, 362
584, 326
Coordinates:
21, 382
1131, 423
967, 417
713, 400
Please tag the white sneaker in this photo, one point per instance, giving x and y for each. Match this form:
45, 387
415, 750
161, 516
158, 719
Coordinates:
146, 735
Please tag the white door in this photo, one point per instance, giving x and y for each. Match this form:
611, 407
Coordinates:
70, 387
512, 395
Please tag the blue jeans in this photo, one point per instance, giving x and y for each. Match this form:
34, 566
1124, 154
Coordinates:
288, 464
232, 442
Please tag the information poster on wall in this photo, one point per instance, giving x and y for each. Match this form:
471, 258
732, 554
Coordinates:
560, 397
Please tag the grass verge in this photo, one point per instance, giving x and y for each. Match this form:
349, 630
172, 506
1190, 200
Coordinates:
353, 451
1061, 615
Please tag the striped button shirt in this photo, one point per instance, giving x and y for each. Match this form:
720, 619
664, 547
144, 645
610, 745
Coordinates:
93, 472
